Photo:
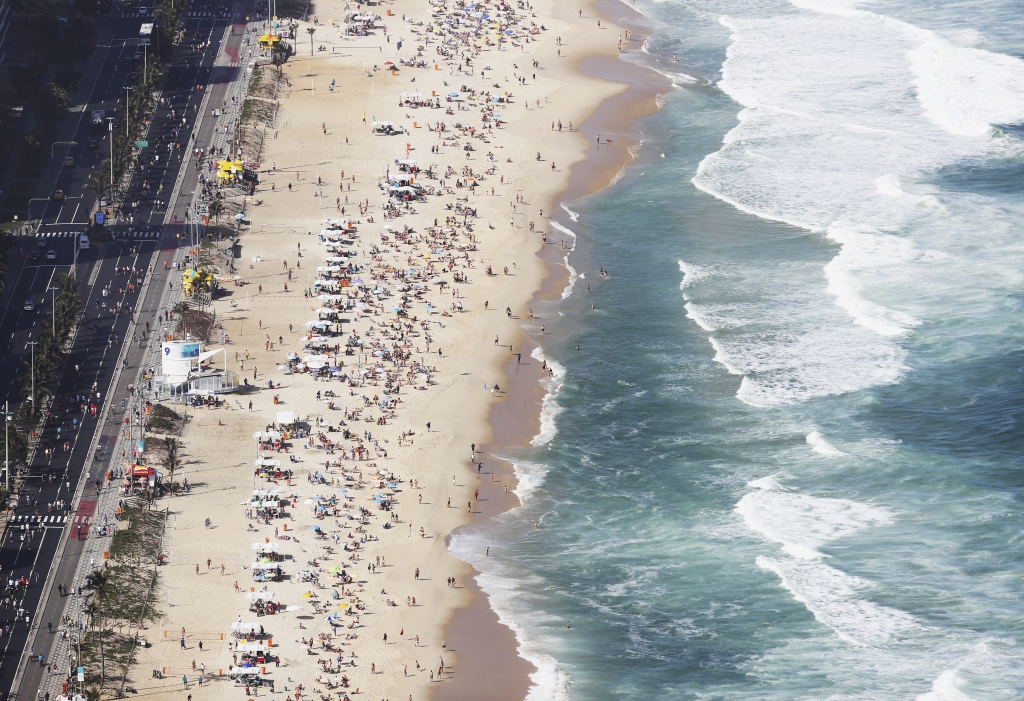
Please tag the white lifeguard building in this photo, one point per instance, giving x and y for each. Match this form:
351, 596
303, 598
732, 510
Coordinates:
188, 370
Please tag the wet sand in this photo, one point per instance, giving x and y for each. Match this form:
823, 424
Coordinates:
490, 666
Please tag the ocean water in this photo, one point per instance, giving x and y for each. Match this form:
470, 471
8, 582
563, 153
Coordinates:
786, 461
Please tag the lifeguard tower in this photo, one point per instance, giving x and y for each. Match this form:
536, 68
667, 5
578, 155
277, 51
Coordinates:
188, 370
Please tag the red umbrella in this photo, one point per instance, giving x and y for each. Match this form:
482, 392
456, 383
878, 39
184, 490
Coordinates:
388, 63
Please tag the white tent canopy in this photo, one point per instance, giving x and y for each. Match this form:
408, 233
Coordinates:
286, 418
265, 595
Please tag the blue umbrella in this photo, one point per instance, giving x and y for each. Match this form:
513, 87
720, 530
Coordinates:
314, 528
428, 307
395, 309
391, 485
453, 94
342, 491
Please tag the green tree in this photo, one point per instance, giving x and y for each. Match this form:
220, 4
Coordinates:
97, 183
171, 460
55, 98
99, 583
216, 209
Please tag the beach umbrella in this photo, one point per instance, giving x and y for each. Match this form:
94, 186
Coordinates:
307, 503
391, 485
395, 309
314, 528
389, 63
307, 595
342, 491
333, 568
436, 279
343, 606
428, 307
239, 217
293, 608
453, 94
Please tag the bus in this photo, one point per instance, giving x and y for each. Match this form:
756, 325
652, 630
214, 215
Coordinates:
145, 33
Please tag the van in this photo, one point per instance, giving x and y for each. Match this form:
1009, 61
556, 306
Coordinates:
83, 242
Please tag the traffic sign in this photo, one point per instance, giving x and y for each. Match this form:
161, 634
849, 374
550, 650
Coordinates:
81, 674
99, 217
142, 144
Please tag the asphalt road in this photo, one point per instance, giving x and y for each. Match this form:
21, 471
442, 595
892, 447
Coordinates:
152, 180
102, 336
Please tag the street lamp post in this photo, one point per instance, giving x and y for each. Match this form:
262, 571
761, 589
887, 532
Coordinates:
33, 372
62, 143
127, 89
7, 453
110, 133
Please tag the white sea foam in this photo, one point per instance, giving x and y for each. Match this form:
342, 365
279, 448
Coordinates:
944, 688
549, 407
836, 600
507, 594
572, 271
572, 215
820, 445
692, 274
833, 141
802, 523
965, 90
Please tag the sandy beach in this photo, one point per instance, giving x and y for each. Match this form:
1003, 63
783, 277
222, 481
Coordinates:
426, 393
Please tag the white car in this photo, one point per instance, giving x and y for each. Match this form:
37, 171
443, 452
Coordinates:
30, 306
51, 254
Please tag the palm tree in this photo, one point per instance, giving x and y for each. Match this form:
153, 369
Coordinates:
171, 460
99, 583
97, 184
215, 209
310, 31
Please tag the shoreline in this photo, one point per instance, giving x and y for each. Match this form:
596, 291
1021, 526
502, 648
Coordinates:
495, 669
322, 142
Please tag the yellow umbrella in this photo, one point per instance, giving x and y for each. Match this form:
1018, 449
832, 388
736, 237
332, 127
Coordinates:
307, 595
343, 606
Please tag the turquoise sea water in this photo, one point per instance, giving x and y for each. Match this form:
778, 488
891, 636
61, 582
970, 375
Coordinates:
786, 462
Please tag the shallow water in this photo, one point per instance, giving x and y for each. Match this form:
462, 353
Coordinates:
785, 462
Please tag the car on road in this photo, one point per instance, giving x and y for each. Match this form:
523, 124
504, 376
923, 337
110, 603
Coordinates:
34, 255
51, 255
29, 305
58, 194
40, 242
93, 143
69, 161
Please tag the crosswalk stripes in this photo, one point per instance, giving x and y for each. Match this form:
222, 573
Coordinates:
65, 234
52, 519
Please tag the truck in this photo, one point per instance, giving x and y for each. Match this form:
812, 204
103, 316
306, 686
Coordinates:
98, 116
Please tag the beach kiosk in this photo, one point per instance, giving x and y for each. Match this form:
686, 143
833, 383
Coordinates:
188, 370
268, 41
